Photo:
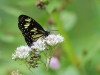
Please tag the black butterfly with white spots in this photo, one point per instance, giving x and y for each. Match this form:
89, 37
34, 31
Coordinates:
30, 29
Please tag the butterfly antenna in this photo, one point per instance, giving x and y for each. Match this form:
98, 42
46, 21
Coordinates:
54, 30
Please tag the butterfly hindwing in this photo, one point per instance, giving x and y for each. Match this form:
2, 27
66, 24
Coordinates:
30, 29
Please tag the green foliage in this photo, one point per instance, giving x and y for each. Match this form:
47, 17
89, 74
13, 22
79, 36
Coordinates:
77, 20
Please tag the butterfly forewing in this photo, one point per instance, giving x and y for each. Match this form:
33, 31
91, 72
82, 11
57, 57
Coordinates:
30, 29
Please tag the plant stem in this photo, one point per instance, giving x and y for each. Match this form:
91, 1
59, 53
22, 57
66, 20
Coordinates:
66, 44
32, 71
29, 69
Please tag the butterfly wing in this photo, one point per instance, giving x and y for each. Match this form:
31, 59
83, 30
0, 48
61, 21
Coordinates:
30, 29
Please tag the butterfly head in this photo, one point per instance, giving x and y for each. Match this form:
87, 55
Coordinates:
47, 33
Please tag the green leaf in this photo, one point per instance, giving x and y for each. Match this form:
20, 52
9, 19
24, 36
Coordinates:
7, 38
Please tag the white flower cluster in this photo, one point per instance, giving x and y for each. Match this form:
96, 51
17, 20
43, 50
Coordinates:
21, 52
40, 45
54, 39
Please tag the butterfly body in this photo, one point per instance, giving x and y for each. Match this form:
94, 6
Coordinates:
30, 29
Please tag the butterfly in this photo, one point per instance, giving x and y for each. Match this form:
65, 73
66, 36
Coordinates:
31, 30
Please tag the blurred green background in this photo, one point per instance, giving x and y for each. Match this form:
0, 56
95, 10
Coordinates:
78, 21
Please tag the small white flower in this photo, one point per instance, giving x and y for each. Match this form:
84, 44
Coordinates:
54, 39
39, 45
21, 52
15, 73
